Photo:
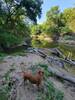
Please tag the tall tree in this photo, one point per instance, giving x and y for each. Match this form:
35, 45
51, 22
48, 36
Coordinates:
29, 8
54, 22
69, 16
15, 15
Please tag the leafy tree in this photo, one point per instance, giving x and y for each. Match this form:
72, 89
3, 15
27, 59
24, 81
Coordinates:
69, 16
33, 8
36, 29
53, 14
54, 22
17, 8
72, 25
15, 15
58, 23
65, 30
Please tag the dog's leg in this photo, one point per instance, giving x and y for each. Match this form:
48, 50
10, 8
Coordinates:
25, 81
38, 87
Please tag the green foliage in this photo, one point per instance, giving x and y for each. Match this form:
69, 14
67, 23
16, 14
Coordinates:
9, 39
69, 16
36, 43
49, 28
53, 14
55, 22
5, 89
2, 55
65, 30
43, 44
29, 8
19, 53
14, 20
33, 8
36, 29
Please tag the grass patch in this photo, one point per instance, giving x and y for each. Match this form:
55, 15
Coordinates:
5, 88
19, 52
2, 55
50, 93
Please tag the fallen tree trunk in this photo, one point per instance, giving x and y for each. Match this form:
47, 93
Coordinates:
68, 61
61, 75
62, 58
53, 70
50, 58
57, 52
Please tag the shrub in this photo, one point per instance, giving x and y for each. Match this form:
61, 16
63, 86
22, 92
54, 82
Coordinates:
8, 39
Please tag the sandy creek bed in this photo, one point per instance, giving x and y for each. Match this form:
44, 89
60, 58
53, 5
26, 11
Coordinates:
30, 92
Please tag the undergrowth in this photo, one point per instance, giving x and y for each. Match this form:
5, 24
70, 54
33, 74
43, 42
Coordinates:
5, 88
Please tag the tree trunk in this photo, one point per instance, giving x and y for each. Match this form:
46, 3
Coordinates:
62, 75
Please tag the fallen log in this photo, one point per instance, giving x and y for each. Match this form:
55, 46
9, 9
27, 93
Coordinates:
53, 69
62, 58
50, 58
57, 52
62, 75
55, 61
69, 61
40, 52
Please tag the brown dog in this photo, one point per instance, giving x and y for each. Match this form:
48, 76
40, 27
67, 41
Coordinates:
34, 79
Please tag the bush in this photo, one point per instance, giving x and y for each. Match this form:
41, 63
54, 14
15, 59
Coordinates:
8, 39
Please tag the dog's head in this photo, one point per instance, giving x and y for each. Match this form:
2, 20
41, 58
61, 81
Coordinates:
41, 73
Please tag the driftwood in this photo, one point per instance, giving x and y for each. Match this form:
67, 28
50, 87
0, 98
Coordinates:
56, 52
71, 62
61, 75
63, 58
55, 71
68, 61
42, 54
50, 58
